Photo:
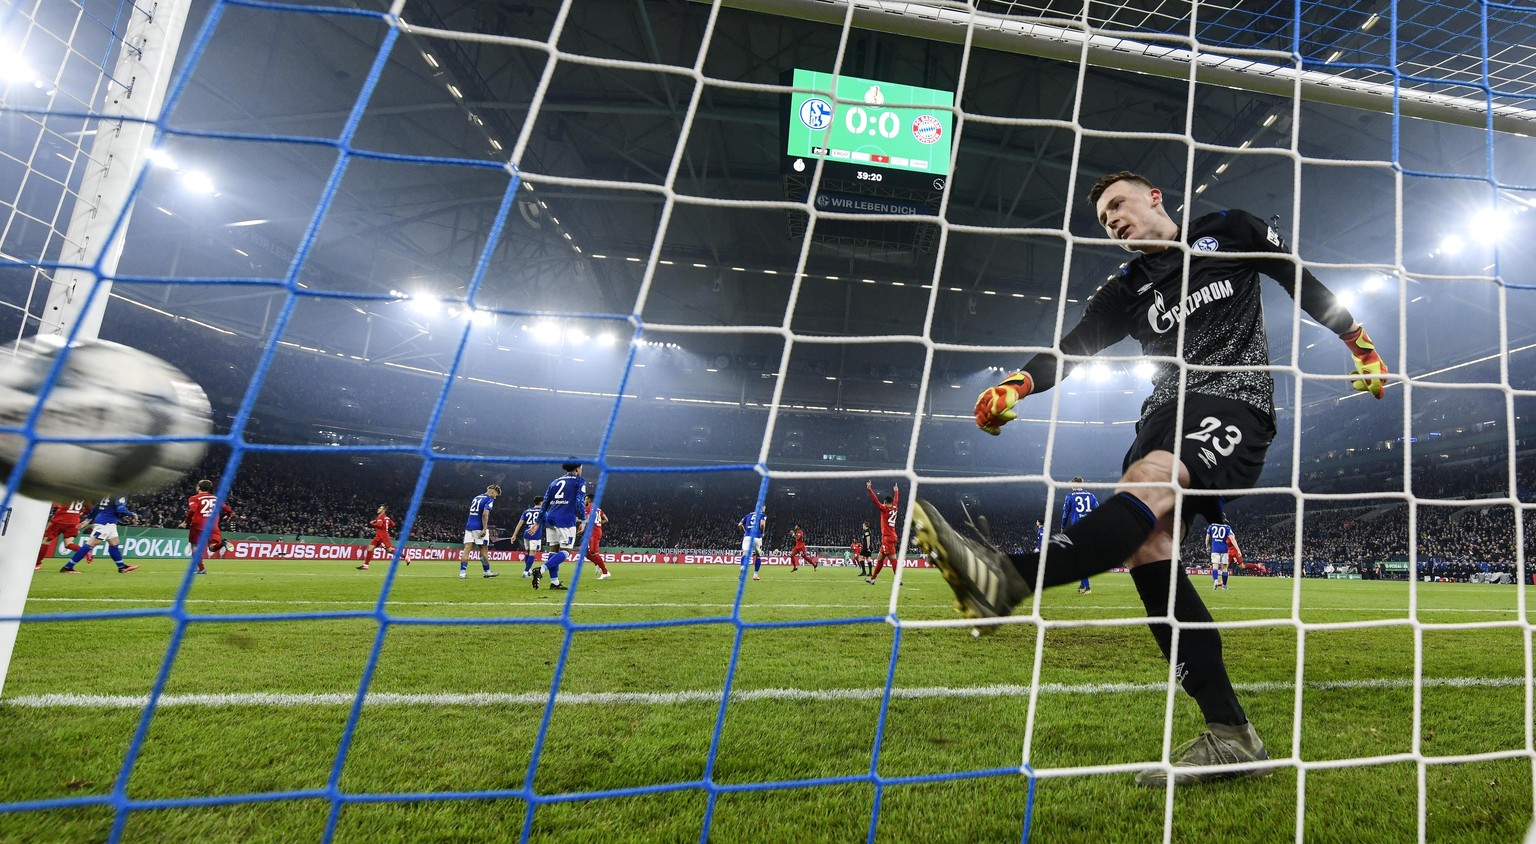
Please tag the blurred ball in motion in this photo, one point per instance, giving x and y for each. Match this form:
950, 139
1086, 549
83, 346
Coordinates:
103, 390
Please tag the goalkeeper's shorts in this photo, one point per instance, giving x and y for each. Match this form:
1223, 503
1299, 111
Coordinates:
1222, 443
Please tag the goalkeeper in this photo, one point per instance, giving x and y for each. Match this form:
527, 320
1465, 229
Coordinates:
1216, 324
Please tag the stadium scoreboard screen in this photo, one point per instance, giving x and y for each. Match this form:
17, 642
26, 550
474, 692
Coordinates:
881, 133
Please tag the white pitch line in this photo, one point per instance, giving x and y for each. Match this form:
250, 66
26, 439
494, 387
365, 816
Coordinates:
279, 699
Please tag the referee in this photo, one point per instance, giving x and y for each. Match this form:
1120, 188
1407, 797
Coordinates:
1215, 323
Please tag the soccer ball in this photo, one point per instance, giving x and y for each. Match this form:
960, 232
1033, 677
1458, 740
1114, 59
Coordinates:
103, 390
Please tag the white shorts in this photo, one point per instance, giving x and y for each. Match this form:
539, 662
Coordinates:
532, 544
104, 532
1218, 560
565, 537
476, 537
752, 545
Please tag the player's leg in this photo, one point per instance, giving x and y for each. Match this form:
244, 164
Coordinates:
879, 564
115, 549
553, 564
50, 537
1226, 574
90, 545
596, 557
215, 542
1203, 675
566, 537
1083, 588
485, 555
470, 537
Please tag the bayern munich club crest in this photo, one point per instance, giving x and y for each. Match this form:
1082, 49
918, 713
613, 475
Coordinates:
1206, 244
927, 129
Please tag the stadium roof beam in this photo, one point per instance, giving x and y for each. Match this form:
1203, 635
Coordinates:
1152, 56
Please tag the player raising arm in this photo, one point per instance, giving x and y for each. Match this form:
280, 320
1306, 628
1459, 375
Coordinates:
888, 536
1188, 298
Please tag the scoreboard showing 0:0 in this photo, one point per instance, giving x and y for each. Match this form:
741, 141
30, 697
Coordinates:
890, 126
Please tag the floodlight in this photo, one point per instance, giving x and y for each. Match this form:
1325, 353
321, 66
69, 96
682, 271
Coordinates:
1098, 372
545, 331
1489, 225
197, 181
425, 303
1144, 371
575, 335
1346, 298
13, 69
160, 158
606, 339
1452, 244
1373, 283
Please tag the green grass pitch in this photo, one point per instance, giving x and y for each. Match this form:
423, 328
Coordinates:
259, 706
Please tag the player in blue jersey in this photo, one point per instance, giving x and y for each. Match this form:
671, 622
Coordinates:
1076, 505
1221, 542
1039, 534
531, 531
753, 525
106, 516
562, 509
477, 532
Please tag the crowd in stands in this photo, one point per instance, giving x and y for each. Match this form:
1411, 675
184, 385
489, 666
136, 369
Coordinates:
295, 495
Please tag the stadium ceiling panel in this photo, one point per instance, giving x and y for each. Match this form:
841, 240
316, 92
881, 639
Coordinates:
419, 228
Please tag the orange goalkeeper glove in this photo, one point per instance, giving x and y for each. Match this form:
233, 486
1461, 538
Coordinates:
994, 408
1367, 362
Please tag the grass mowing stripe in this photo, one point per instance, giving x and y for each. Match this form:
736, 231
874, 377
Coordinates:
369, 604
80, 701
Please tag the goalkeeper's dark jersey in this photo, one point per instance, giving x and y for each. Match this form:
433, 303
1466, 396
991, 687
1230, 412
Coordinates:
1222, 312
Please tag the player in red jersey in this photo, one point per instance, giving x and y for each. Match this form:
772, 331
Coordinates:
887, 527
382, 524
799, 553
63, 523
597, 534
203, 507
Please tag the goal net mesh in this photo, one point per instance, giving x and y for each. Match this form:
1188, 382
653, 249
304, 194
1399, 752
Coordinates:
435, 220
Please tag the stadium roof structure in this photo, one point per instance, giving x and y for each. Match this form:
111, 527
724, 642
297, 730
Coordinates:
396, 246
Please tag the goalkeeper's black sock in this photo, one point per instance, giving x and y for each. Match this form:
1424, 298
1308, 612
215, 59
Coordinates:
1103, 539
1201, 669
